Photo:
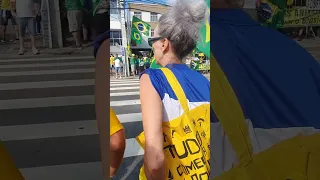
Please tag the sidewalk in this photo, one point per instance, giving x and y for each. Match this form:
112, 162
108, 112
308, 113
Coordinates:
310, 44
10, 50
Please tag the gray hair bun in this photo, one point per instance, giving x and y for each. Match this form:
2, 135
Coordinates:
182, 23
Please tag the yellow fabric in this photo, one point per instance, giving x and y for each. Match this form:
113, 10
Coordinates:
297, 158
111, 60
8, 170
115, 124
186, 137
223, 99
6, 5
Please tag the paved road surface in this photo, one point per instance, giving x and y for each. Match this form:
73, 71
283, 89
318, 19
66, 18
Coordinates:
48, 118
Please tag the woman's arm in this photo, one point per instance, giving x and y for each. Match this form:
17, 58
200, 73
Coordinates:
117, 143
117, 148
151, 105
102, 99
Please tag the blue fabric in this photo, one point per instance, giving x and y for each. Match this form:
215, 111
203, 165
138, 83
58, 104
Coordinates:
195, 85
99, 40
277, 82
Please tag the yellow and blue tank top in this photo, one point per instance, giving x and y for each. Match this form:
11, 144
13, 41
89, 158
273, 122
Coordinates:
195, 86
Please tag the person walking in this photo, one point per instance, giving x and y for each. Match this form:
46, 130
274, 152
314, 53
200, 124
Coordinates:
7, 12
87, 20
118, 65
141, 64
75, 19
100, 11
175, 100
27, 11
38, 21
111, 64
133, 64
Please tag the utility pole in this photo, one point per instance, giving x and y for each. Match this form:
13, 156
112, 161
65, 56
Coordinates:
124, 38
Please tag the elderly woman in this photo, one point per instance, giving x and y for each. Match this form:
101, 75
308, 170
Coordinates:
175, 37
275, 80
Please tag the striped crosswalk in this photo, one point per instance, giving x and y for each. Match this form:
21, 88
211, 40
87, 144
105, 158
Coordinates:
47, 118
124, 95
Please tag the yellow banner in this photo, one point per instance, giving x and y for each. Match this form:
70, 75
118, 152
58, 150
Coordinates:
301, 17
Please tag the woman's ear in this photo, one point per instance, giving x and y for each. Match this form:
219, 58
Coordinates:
165, 45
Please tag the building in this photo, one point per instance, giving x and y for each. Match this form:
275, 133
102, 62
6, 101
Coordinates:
149, 13
115, 28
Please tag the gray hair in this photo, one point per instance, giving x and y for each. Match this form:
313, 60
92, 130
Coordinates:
181, 25
235, 3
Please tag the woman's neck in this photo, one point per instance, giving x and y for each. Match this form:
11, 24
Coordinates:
170, 59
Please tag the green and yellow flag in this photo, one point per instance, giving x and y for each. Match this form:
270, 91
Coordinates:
204, 40
141, 26
136, 36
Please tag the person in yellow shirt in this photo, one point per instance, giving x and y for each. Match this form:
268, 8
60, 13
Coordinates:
112, 144
111, 63
6, 14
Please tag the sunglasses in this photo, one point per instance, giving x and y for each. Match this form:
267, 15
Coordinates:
153, 40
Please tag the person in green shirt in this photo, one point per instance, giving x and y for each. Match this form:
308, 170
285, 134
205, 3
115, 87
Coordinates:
75, 18
133, 64
137, 64
101, 17
147, 64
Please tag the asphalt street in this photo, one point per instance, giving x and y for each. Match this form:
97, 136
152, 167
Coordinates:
48, 116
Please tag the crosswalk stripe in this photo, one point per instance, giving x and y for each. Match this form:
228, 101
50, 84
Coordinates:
44, 72
64, 83
125, 88
48, 58
124, 94
46, 65
58, 101
69, 126
46, 84
125, 84
59, 129
124, 80
64, 172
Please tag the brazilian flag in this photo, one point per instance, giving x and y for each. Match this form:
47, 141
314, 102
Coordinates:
141, 26
204, 40
136, 36
271, 13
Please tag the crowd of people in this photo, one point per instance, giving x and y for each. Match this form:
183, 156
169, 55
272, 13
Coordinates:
25, 17
86, 19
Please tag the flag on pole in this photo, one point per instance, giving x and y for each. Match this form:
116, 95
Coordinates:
204, 40
136, 36
141, 26
271, 13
